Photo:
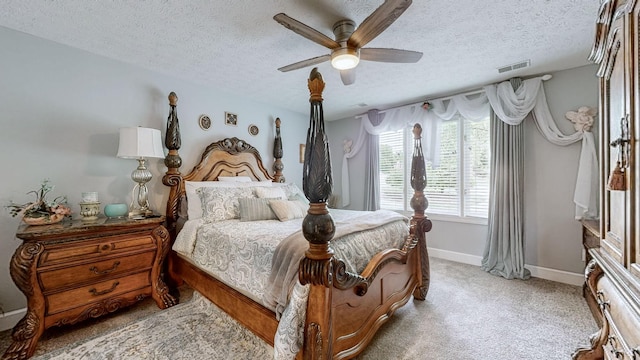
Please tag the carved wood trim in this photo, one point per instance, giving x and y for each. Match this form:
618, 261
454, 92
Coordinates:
101, 308
160, 292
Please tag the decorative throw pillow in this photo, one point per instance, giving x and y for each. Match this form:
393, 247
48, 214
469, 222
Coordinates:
194, 204
252, 209
222, 203
288, 210
270, 193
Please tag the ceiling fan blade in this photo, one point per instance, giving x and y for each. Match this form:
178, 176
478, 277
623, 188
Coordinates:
377, 22
306, 31
305, 63
348, 76
390, 55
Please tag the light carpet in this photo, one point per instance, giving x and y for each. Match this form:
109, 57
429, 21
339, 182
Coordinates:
468, 314
193, 330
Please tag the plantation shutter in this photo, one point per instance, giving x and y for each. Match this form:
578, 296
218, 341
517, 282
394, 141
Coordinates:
392, 170
476, 172
443, 186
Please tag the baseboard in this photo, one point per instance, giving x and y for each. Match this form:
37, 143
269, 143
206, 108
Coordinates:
10, 318
536, 271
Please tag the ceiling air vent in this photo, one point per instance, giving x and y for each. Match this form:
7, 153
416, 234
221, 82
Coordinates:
516, 66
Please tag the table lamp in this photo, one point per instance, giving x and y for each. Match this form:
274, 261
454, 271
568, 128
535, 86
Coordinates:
140, 143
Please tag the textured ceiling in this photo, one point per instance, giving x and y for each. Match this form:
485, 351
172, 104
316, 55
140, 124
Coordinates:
236, 45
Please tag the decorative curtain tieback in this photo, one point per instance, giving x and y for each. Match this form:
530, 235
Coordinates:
618, 177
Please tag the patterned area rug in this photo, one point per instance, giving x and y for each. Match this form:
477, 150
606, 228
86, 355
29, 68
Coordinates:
193, 330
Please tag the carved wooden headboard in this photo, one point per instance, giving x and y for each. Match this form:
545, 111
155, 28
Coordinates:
227, 157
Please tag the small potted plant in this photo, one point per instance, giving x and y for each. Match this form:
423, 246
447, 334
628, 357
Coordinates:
41, 211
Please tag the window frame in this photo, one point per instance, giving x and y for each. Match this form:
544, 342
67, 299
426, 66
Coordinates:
461, 173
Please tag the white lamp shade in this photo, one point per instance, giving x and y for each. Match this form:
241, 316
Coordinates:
139, 142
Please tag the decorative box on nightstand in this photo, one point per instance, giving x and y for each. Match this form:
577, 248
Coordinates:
72, 271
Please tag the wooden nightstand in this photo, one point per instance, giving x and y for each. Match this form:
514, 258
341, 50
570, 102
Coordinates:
72, 271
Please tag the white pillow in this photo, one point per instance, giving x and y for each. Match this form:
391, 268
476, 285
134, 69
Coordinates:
194, 205
241, 179
270, 193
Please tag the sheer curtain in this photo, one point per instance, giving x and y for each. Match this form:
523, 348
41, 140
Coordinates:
513, 106
387, 120
473, 107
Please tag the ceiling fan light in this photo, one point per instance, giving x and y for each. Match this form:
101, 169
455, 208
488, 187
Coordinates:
345, 59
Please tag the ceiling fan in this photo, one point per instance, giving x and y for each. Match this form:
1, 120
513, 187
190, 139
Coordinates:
347, 48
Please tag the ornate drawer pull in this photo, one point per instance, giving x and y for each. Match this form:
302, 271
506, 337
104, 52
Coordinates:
106, 247
94, 269
95, 292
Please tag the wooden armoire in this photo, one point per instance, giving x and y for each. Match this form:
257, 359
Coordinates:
613, 274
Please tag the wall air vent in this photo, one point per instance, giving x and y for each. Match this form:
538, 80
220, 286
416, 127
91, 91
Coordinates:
516, 66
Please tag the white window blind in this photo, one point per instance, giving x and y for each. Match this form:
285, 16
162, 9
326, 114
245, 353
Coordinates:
476, 172
392, 159
459, 187
443, 182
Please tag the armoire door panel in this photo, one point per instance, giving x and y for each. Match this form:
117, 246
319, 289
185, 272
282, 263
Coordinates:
616, 214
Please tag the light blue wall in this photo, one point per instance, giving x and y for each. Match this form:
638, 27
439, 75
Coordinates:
553, 236
61, 109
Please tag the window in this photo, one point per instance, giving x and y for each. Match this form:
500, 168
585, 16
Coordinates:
459, 187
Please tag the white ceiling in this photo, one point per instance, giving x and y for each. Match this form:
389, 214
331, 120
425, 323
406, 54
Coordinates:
235, 45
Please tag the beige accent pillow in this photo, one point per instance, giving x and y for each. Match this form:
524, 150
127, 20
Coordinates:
288, 210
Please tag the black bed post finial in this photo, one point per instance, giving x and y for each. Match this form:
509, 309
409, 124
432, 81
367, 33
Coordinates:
172, 137
278, 166
420, 224
318, 227
173, 162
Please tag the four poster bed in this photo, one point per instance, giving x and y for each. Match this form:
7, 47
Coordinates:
343, 304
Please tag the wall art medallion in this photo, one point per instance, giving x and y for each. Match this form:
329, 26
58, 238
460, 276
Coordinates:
204, 121
230, 119
253, 130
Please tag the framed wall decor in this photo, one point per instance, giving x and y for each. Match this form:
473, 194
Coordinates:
204, 121
230, 119
253, 130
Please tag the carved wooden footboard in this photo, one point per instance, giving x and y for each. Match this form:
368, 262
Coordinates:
344, 309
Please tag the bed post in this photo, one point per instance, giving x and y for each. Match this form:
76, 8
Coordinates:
420, 224
277, 154
172, 161
318, 228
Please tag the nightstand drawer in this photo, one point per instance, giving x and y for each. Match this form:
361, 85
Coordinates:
95, 292
95, 271
64, 254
